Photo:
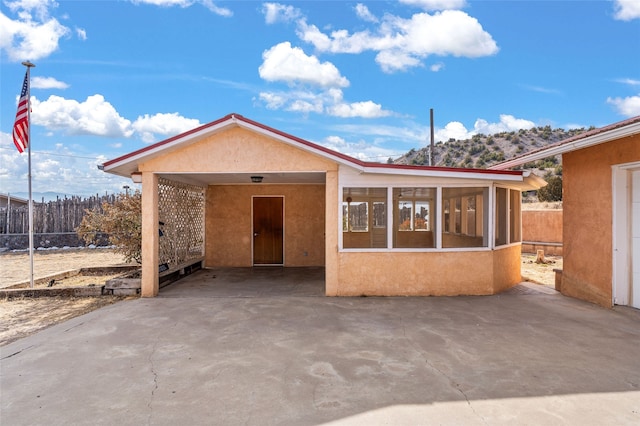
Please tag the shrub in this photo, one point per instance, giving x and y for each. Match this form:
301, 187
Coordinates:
553, 190
122, 221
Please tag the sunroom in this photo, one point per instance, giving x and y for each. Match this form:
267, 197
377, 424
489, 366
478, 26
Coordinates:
429, 231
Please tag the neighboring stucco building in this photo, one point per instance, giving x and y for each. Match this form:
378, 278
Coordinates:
601, 212
8, 200
236, 193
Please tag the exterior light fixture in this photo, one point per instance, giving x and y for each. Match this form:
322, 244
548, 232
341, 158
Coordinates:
256, 179
136, 177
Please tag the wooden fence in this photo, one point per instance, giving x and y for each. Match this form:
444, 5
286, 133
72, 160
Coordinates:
60, 215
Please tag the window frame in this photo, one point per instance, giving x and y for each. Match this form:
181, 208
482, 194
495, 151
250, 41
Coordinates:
489, 189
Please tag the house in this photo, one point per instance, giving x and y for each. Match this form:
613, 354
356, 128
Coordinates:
601, 212
10, 201
237, 193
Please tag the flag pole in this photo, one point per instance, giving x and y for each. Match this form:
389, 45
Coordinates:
29, 65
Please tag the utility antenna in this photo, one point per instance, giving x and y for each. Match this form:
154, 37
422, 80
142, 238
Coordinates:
431, 148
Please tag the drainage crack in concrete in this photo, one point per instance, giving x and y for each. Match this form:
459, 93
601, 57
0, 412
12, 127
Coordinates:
155, 381
77, 325
455, 385
17, 353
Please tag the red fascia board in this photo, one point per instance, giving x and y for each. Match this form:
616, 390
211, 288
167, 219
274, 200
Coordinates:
442, 169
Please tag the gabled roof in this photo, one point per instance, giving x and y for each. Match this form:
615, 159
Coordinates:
128, 163
593, 137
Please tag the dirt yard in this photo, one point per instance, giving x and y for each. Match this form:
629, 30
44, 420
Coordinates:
15, 268
540, 273
22, 317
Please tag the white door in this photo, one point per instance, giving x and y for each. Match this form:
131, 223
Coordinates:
635, 239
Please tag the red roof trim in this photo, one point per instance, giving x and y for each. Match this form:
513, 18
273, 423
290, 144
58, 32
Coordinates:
311, 145
580, 136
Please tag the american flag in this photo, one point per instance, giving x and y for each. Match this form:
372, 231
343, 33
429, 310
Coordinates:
21, 126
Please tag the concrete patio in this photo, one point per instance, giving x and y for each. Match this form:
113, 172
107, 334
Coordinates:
264, 347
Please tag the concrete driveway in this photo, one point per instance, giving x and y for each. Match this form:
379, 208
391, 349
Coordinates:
263, 347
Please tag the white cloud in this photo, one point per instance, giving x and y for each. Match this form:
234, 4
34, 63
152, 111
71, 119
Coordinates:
168, 124
94, 116
81, 33
507, 123
437, 67
436, 4
391, 61
367, 109
360, 149
273, 100
47, 83
97, 117
295, 101
28, 7
58, 170
627, 10
34, 35
276, 12
328, 102
453, 129
629, 106
541, 89
187, 3
364, 13
222, 11
290, 64
404, 43
628, 81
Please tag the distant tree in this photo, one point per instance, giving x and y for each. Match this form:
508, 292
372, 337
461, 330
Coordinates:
122, 221
553, 190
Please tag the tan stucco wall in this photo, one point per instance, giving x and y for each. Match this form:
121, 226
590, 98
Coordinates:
506, 268
331, 234
542, 226
150, 236
587, 223
229, 224
428, 274
238, 150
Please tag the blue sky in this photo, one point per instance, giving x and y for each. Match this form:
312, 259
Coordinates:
358, 77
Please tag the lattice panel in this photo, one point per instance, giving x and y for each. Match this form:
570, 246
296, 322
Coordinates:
181, 215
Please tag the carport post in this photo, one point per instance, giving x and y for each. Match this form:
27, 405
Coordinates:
332, 199
150, 235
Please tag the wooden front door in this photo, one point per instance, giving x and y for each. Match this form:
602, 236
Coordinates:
268, 230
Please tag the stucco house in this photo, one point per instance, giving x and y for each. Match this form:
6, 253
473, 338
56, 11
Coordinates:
237, 193
601, 212
10, 201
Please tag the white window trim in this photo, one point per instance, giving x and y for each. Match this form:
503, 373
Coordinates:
439, 205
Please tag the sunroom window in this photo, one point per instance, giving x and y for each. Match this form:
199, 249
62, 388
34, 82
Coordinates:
364, 218
515, 215
465, 217
414, 217
501, 216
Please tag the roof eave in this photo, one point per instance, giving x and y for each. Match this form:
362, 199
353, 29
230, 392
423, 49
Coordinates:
571, 145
